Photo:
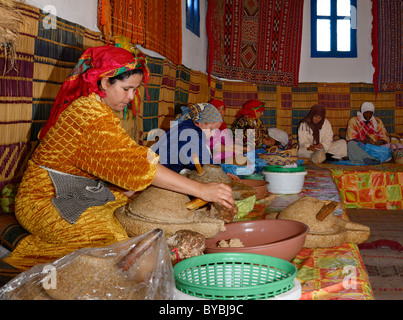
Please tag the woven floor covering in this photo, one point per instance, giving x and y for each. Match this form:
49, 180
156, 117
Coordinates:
382, 254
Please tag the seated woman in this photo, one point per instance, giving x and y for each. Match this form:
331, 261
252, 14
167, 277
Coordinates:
315, 137
249, 118
221, 143
86, 164
363, 129
280, 137
191, 135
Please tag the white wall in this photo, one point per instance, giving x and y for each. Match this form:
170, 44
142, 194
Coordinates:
358, 69
73, 10
194, 49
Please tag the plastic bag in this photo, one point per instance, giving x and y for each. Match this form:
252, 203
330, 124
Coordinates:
254, 164
379, 152
135, 269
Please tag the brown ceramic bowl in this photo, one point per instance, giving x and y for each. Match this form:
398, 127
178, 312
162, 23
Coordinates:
282, 239
259, 185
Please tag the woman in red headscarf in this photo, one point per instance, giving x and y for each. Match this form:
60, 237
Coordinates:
315, 137
86, 164
221, 107
249, 118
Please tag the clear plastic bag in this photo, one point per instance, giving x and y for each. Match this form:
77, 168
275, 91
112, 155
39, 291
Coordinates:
135, 269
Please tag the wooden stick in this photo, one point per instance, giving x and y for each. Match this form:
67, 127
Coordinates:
326, 210
195, 204
196, 161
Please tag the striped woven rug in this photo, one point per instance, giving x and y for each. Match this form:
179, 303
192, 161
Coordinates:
382, 254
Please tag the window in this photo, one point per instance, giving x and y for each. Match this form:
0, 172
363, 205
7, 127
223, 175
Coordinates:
334, 28
193, 16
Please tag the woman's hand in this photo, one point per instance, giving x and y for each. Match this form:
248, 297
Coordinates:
233, 177
210, 192
380, 142
315, 147
217, 192
369, 140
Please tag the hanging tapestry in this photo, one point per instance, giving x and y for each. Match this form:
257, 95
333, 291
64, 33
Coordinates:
255, 41
387, 41
153, 24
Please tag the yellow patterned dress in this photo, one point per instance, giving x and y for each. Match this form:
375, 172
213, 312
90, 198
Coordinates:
86, 141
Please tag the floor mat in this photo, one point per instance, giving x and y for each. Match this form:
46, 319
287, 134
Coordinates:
382, 254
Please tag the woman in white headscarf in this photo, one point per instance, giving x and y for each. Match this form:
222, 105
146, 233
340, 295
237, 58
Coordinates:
366, 128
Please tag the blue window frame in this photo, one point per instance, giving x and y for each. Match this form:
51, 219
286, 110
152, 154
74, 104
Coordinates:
193, 16
334, 28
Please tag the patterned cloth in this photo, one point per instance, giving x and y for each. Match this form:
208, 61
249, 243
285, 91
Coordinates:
255, 41
369, 187
358, 129
154, 24
202, 113
244, 123
387, 41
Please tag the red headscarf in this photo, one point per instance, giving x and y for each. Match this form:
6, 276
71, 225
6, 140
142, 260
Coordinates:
250, 108
94, 64
219, 103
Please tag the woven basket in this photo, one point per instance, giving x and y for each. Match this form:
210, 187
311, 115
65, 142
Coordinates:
234, 276
397, 154
279, 158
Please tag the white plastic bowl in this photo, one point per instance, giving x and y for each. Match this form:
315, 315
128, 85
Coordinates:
285, 183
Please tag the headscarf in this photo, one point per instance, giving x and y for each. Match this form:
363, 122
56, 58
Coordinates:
367, 106
218, 103
202, 113
95, 63
316, 110
278, 135
250, 108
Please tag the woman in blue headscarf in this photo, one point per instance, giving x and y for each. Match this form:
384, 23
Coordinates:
190, 135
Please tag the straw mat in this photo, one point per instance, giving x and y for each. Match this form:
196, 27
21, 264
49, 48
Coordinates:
382, 254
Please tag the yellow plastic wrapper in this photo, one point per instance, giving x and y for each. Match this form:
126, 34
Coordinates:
135, 269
